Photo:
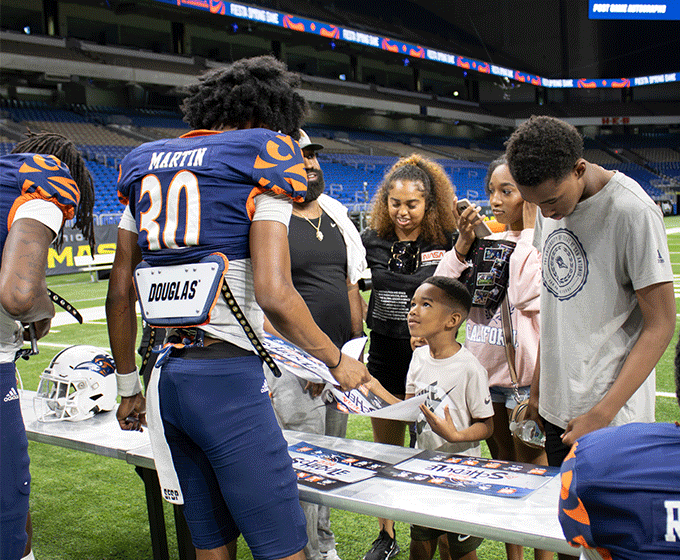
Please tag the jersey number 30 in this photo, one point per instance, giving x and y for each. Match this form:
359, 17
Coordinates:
162, 219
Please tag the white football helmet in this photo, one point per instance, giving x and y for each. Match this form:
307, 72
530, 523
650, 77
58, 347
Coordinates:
79, 382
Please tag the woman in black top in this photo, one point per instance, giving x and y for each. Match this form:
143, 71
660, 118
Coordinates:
410, 228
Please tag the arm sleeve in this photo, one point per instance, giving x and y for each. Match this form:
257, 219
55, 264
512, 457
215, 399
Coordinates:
127, 221
43, 211
272, 207
411, 375
477, 393
646, 250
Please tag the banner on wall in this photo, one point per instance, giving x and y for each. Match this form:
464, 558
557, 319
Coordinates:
75, 245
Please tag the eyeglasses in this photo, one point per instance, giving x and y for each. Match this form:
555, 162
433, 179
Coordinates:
405, 257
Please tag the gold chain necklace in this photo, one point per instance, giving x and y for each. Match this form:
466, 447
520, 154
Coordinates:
319, 235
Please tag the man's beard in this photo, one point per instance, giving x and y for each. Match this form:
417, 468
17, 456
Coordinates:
315, 188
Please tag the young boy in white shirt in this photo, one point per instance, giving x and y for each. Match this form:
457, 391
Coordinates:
460, 414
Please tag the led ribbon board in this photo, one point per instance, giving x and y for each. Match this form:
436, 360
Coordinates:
330, 31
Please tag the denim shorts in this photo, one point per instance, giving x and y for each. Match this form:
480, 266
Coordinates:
507, 395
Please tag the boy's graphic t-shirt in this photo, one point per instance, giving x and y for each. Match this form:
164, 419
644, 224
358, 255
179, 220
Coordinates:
459, 382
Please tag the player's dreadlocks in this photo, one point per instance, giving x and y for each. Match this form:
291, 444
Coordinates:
543, 148
51, 143
259, 91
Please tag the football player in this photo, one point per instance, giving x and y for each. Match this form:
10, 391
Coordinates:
227, 187
43, 183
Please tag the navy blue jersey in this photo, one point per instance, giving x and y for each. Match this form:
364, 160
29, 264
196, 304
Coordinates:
193, 195
621, 492
25, 177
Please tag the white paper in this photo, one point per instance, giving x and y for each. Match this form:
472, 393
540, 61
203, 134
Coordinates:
353, 348
407, 410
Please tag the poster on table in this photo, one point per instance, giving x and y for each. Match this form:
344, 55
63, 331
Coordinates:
326, 469
357, 401
471, 474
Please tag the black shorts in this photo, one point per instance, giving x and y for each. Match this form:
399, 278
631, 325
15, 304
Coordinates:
554, 448
388, 361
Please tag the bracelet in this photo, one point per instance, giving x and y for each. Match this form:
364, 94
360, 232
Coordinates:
128, 383
460, 255
336, 365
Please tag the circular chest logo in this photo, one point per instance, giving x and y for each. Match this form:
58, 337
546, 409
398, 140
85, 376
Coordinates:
565, 265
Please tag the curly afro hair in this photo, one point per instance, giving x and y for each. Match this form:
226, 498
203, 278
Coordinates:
438, 222
543, 148
51, 143
259, 91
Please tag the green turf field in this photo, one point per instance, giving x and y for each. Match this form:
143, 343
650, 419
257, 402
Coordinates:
87, 507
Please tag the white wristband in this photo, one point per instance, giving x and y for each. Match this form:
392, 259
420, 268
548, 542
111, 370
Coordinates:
128, 383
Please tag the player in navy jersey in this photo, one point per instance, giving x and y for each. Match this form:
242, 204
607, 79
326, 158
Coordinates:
621, 490
43, 182
226, 187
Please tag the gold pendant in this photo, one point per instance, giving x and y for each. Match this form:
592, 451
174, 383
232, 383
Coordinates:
319, 235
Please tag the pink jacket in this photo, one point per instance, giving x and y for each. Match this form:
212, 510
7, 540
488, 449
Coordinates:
484, 334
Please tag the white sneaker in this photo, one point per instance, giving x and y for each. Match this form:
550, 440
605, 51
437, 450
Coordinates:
332, 554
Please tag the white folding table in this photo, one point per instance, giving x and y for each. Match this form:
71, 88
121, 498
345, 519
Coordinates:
530, 521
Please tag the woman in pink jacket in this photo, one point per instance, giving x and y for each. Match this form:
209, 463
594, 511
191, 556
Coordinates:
484, 330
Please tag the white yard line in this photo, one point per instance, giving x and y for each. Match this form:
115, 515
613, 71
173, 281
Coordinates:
90, 314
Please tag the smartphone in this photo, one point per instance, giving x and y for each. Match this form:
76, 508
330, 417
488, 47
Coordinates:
482, 230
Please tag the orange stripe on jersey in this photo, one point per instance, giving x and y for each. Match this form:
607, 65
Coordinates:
250, 202
261, 164
576, 542
264, 182
572, 452
72, 192
297, 185
298, 169
124, 200
278, 190
273, 151
42, 162
25, 168
606, 555
200, 132
566, 483
579, 513
27, 185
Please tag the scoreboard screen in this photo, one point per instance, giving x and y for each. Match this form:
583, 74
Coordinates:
669, 10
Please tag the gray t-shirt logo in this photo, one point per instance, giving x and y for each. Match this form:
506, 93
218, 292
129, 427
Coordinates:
565, 264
